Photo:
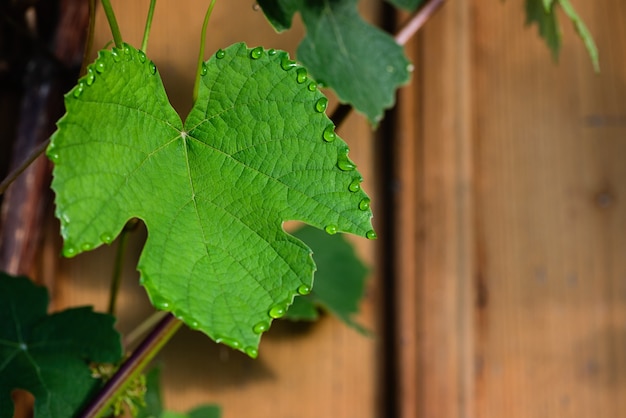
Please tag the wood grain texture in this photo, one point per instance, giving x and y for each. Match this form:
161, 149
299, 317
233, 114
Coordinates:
512, 207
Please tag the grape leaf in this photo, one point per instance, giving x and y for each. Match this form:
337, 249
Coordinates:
256, 149
47, 355
361, 63
406, 4
543, 13
339, 280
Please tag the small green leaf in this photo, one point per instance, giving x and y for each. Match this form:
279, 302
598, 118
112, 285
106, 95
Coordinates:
543, 13
360, 62
407, 4
48, 355
214, 192
339, 281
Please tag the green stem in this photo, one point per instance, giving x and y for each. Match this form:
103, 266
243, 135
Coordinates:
196, 85
132, 337
132, 367
115, 29
146, 32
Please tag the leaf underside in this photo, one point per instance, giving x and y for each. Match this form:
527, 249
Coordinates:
256, 149
48, 355
361, 63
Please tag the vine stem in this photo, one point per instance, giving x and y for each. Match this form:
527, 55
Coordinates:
36, 152
115, 29
408, 30
136, 363
205, 24
119, 261
146, 32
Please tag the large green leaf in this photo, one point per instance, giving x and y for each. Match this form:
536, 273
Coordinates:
339, 279
257, 149
48, 355
543, 13
361, 63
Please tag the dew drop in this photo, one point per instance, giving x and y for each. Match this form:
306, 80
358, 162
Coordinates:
220, 54
287, 64
127, 51
304, 289
161, 304
152, 68
54, 156
142, 56
193, 324
106, 238
277, 311
116, 55
90, 77
344, 163
256, 53
100, 66
321, 104
261, 327
371, 234
86, 246
331, 229
204, 69
312, 86
301, 75
329, 134
271, 52
78, 90
231, 342
364, 204
69, 251
355, 186
252, 352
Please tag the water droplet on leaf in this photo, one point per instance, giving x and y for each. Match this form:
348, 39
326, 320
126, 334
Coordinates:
261, 327
344, 163
90, 77
106, 238
100, 66
152, 68
256, 53
364, 204
331, 229
116, 55
304, 289
161, 304
371, 234
312, 86
193, 324
252, 352
321, 104
69, 251
271, 52
142, 56
231, 342
329, 134
287, 64
277, 311
204, 69
78, 90
301, 75
355, 186
220, 54
86, 246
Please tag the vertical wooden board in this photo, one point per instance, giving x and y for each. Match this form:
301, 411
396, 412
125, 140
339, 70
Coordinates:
434, 222
549, 146
325, 369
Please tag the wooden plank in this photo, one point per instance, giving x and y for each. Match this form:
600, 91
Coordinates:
434, 222
549, 153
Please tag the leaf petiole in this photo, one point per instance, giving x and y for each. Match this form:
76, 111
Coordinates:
196, 85
115, 29
146, 32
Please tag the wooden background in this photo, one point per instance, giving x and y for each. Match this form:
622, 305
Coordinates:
502, 220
